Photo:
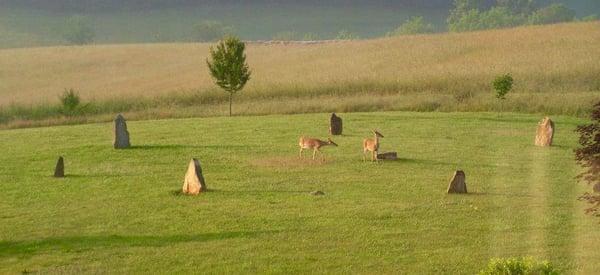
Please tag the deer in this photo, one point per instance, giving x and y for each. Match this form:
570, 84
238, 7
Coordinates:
371, 144
315, 144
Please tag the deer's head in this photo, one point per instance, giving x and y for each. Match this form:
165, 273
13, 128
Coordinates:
377, 133
329, 141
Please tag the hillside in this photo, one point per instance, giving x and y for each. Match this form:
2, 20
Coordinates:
119, 211
555, 68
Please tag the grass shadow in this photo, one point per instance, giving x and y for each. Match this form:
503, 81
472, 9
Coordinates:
83, 243
179, 192
160, 147
180, 146
80, 176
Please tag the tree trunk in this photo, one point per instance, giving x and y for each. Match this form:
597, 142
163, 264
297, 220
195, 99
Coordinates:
230, 99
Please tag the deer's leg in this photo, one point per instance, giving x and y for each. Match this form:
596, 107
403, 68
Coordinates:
373, 155
314, 153
301, 151
364, 155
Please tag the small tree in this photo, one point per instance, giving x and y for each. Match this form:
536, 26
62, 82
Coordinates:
503, 84
79, 30
414, 25
588, 156
70, 101
228, 66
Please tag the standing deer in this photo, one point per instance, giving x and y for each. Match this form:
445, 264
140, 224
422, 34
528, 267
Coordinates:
315, 144
371, 144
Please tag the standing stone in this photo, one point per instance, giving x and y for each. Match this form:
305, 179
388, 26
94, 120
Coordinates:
545, 132
121, 134
193, 183
59, 171
458, 184
335, 127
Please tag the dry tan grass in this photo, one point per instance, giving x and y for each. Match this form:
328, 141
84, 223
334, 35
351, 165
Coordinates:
543, 59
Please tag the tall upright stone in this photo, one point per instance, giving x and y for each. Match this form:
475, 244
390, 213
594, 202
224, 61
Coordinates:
457, 184
335, 127
121, 140
193, 183
59, 170
544, 133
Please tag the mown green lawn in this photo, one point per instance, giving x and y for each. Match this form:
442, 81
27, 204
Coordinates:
120, 212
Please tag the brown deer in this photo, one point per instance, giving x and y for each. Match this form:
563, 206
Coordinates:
315, 144
371, 144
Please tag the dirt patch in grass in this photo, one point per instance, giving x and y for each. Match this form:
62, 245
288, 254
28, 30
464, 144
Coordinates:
288, 162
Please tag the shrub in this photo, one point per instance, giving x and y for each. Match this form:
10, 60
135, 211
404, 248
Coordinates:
518, 266
589, 18
499, 17
210, 31
496, 17
463, 12
70, 101
79, 30
469, 21
588, 156
414, 25
555, 13
503, 84
346, 35
285, 36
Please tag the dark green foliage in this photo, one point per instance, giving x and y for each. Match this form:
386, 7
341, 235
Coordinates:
503, 84
518, 266
414, 25
70, 101
79, 30
588, 156
209, 31
228, 66
555, 13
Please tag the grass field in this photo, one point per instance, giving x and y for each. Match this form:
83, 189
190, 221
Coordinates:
119, 211
555, 69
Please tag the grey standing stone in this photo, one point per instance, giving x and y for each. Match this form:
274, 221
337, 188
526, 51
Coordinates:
121, 140
335, 127
59, 171
458, 184
544, 133
193, 183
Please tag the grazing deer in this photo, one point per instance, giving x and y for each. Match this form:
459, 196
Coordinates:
371, 144
315, 144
